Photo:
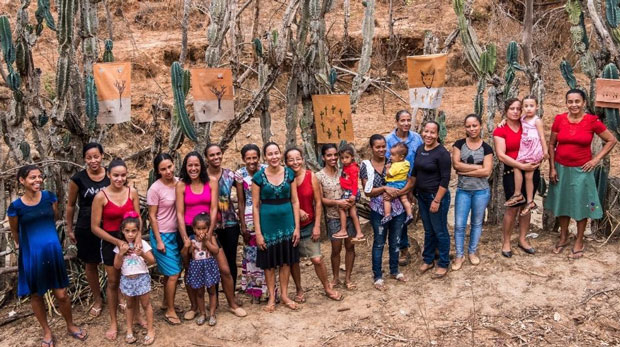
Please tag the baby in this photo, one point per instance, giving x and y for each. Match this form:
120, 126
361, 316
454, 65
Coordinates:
396, 177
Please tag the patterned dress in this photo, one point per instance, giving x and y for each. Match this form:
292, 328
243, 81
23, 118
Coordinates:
252, 277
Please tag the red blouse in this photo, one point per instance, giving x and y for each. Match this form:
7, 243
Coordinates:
574, 139
513, 139
350, 177
305, 194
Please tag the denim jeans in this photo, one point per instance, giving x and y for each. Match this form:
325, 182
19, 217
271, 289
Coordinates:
469, 200
391, 231
436, 235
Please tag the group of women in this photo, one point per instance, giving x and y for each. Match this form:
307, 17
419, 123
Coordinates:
280, 209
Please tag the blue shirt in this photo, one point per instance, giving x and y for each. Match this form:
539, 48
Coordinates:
413, 141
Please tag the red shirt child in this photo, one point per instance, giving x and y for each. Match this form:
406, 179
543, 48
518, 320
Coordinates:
349, 178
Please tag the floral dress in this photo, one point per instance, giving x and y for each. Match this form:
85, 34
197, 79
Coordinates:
252, 277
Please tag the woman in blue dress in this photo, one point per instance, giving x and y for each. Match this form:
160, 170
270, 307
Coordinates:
41, 266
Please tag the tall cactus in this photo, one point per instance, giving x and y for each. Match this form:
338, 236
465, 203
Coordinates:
92, 104
43, 14
8, 50
108, 56
180, 87
66, 19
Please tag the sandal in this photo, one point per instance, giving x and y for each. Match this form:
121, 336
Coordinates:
560, 248
212, 321
172, 320
49, 343
189, 315
340, 237
576, 254
380, 285
123, 307
148, 340
350, 285
269, 308
338, 297
239, 312
399, 277
129, 339
360, 239
300, 298
528, 209
514, 200
437, 275
425, 267
201, 319
292, 305
94, 312
81, 335
110, 335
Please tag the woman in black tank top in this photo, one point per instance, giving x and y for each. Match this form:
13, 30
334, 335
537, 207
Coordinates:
83, 187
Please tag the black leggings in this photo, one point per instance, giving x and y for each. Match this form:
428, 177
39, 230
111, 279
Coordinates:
229, 239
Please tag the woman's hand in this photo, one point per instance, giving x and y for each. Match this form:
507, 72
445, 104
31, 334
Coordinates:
393, 192
316, 233
296, 237
260, 241
123, 248
246, 237
303, 216
528, 166
71, 236
161, 247
186, 243
343, 204
387, 197
589, 166
434, 206
553, 176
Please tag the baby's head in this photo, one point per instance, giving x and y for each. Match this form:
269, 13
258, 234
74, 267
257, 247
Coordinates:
130, 226
398, 152
347, 154
200, 224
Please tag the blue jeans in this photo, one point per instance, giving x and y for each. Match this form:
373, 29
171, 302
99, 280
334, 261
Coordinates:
391, 231
469, 200
436, 235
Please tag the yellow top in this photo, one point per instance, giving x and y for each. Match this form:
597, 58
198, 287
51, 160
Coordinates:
398, 171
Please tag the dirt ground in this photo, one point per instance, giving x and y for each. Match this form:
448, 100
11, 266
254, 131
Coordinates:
537, 300
544, 299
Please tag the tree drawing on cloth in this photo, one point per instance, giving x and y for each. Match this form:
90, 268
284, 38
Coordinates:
219, 93
120, 87
213, 93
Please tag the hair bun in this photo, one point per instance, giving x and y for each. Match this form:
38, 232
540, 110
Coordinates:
130, 214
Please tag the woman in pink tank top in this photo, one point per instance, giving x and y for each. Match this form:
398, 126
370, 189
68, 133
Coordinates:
108, 208
195, 194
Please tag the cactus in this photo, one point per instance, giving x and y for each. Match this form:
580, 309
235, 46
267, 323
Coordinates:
344, 124
333, 77
479, 99
612, 12
108, 56
43, 119
329, 133
568, 74
92, 104
274, 38
338, 130
9, 51
24, 147
443, 130
258, 47
178, 90
43, 13
66, 18
488, 60
333, 109
323, 126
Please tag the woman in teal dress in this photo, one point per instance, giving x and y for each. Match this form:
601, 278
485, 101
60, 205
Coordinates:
40, 263
276, 222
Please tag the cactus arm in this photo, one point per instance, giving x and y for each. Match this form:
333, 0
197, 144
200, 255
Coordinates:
179, 101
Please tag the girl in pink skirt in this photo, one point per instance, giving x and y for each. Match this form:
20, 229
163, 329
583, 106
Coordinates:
533, 149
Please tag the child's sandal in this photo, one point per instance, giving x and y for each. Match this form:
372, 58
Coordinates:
528, 209
515, 200
212, 321
201, 319
129, 339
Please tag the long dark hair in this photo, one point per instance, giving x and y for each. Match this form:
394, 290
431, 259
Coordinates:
508, 103
157, 160
203, 177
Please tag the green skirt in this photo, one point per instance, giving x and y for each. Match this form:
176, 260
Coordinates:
574, 195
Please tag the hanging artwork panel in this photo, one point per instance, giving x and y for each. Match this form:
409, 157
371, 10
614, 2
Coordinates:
332, 117
426, 75
607, 93
113, 82
213, 94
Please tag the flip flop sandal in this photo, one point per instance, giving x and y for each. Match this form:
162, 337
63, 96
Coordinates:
123, 307
515, 200
350, 286
49, 343
528, 209
129, 339
79, 335
300, 299
399, 277
558, 249
360, 240
94, 312
576, 254
239, 312
380, 285
170, 320
148, 340
269, 308
212, 321
340, 297
340, 237
291, 305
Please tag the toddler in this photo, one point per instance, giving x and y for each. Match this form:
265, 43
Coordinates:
350, 191
532, 149
203, 271
135, 281
396, 177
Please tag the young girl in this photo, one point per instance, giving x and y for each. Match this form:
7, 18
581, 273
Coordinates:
135, 281
350, 191
203, 271
533, 149
396, 177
